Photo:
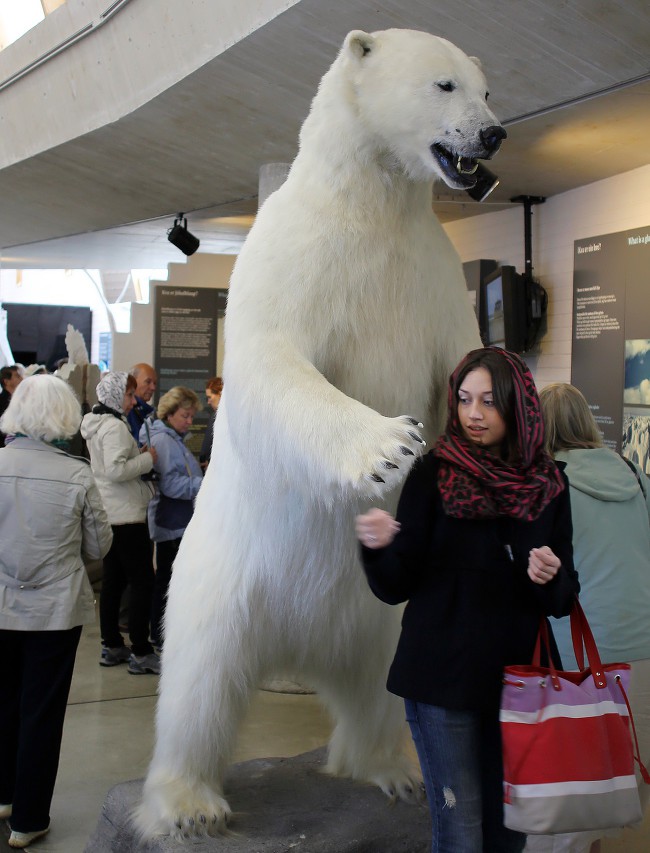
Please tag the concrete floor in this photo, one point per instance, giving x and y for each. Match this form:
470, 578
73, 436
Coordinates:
108, 739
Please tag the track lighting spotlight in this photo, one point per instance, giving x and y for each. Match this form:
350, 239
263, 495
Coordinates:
180, 237
486, 181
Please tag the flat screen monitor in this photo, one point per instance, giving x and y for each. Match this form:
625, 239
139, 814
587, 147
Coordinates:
506, 314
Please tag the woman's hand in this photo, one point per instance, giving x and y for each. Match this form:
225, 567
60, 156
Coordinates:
543, 565
152, 450
376, 529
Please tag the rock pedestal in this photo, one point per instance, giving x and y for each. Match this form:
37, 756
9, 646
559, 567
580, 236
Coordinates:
282, 804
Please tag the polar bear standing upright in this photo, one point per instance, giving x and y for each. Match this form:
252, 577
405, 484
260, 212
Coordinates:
347, 312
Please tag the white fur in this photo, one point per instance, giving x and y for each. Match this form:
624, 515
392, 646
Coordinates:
347, 309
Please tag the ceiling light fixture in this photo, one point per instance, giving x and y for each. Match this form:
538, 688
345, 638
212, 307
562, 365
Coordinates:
486, 181
180, 237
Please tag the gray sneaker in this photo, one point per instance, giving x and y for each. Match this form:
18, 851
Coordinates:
113, 657
140, 665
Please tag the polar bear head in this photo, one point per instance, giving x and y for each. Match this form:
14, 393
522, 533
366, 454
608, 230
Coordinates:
421, 100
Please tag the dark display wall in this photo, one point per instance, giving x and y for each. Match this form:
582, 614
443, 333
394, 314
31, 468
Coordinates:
610, 360
36, 333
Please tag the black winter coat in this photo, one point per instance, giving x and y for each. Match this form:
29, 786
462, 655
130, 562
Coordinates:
472, 609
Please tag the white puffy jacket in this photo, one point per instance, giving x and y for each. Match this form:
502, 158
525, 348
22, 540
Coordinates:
118, 465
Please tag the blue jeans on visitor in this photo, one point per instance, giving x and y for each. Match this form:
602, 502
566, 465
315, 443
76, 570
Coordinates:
460, 757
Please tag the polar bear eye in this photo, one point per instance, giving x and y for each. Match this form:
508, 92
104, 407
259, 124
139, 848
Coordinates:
487, 95
446, 86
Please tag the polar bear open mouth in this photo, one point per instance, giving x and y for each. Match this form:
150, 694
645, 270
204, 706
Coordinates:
460, 170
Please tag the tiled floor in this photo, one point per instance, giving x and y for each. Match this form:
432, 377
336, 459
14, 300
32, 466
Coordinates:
108, 739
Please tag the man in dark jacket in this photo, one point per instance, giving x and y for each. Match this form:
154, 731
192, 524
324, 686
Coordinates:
147, 380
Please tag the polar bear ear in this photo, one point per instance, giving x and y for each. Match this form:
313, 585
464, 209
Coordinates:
359, 43
476, 62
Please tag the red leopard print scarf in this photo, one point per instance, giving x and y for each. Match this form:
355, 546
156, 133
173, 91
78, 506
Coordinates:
474, 483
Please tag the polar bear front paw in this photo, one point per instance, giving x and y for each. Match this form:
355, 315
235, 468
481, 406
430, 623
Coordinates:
402, 442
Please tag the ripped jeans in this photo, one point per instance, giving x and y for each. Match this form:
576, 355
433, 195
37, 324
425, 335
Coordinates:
460, 757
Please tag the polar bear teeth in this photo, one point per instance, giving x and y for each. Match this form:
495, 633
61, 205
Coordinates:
462, 170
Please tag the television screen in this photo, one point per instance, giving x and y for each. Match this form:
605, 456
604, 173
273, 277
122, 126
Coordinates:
496, 333
506, 296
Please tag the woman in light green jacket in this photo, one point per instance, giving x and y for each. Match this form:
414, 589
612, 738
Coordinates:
611, 552
51, 519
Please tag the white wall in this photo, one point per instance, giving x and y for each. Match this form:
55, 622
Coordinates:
605, 207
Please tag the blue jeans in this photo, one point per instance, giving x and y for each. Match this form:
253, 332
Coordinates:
460, 757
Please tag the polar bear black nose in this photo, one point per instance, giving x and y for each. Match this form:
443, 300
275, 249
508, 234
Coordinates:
491, 137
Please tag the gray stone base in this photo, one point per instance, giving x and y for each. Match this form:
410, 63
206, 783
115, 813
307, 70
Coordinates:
282, 805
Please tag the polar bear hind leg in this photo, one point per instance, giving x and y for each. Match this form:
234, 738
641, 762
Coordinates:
370, 738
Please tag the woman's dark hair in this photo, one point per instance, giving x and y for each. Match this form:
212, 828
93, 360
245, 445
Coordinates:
7, 373
503, 393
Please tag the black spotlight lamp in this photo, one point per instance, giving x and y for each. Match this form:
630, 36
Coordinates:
180, 237
486, 181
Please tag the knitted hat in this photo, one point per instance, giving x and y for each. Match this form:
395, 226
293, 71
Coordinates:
111, 390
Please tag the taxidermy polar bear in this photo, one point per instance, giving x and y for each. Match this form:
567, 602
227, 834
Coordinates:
347, 312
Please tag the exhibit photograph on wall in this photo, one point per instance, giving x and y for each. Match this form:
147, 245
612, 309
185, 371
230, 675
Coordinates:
610, 360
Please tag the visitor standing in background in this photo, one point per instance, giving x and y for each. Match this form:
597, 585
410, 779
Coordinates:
10, 378
213, 391
610, 507
147, 382
52, 520
179, 481
118, 465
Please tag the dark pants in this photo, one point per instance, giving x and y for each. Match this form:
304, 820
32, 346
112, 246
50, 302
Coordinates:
462, 768
36, 675
165, 556
127, 563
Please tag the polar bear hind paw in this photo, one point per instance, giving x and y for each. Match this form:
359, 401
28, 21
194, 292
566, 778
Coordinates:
399, 785
182, 813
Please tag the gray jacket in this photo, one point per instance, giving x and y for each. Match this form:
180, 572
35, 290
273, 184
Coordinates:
51, 517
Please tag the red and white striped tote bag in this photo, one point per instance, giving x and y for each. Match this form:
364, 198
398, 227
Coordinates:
568, 743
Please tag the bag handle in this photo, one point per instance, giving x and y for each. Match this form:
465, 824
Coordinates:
637, 755
543, 637
581, 635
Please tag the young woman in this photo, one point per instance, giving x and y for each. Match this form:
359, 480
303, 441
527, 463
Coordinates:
52, 519
610, 505
480, 550
180, 480
118, 465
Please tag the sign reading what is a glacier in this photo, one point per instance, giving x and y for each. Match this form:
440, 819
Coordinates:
611, 337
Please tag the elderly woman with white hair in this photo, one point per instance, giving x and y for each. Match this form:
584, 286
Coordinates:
118, 465
52, 519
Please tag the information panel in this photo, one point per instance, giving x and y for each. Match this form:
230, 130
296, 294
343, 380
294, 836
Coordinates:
186, 327
611, 337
